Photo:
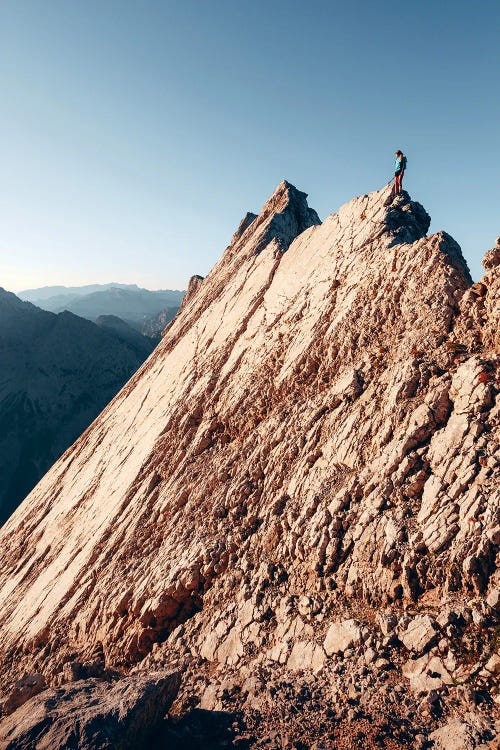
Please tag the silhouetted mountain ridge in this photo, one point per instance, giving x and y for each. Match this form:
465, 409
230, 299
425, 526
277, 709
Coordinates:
57, 372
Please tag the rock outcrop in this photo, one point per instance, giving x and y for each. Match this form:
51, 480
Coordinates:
296, 497
92, 715
195, 283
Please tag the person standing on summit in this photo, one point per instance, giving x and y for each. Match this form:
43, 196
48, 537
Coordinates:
399, 170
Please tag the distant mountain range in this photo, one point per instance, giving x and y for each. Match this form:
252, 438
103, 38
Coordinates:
134, 305
46, 292
57, 372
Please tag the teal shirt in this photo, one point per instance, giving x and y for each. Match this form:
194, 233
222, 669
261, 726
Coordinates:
399, 164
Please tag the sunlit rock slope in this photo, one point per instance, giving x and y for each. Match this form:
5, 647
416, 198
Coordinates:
315, 441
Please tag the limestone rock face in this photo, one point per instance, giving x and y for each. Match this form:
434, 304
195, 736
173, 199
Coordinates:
420, 634
341, 636
459, 734
193, 286
315, 439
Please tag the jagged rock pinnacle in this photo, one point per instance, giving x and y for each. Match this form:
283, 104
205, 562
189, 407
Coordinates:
243, 225
290, 216
193, 286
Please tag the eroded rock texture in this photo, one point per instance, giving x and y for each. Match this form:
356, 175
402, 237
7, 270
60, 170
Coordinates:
92, 715
296, 496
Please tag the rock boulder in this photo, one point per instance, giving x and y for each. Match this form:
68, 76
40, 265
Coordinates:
92, 715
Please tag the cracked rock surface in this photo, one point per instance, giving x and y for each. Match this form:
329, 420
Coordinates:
295, 500
92, 715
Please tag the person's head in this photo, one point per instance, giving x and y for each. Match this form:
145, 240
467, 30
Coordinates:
399, 153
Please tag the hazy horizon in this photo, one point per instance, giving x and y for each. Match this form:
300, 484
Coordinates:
136, 137
103, 284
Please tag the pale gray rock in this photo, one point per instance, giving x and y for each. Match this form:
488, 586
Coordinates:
387, 622
306, 655
194, 285
446, 616
460, 734
494, 534
342, 636
242, 227
285, 226
492, 666
230, 648
428, 673
420, 634
493, 599
370, 655
210, 700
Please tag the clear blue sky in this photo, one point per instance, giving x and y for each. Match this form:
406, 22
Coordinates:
134, 134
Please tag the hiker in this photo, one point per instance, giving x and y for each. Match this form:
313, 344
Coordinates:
399, 170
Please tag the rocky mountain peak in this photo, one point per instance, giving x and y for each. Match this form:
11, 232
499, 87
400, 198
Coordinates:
287, 214
299, 485
406, 219
243, 225
193, 286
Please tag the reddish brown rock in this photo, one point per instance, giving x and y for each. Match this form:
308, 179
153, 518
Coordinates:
24, 689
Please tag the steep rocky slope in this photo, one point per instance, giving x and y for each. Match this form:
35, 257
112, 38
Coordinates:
295, 498
57, 372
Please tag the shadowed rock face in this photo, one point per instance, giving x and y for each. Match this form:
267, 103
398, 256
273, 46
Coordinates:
314, 442
92, 715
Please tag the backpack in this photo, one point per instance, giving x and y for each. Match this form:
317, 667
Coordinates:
403, 163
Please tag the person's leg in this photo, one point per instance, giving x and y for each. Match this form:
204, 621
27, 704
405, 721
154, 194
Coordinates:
396, 184
401, 182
